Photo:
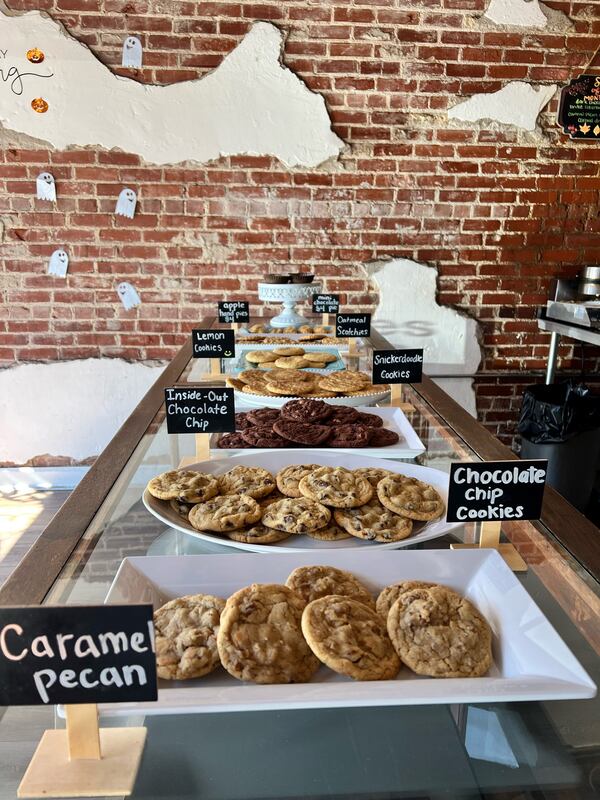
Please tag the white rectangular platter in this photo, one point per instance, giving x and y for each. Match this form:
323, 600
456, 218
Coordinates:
241, 363
409, 446
531, 662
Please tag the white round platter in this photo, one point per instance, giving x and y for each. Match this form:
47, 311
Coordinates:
274, 461
265, 400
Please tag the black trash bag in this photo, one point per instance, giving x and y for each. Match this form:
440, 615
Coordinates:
558, 412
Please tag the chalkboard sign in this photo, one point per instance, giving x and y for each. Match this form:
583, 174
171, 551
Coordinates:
397, 366
491, 491
213, 343
76, 654
234, 311
352, 325
579, 109
194, 410
325, 303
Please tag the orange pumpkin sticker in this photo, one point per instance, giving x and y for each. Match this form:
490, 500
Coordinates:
35, 55
39, 105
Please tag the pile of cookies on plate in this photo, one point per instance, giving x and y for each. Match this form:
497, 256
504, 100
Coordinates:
306, 338
290, 358
283, 633
252, 506
288, 382
307, 423
263, 328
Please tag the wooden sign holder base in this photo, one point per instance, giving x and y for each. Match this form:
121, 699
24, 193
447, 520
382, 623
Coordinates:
489, 537
202, 451
84, 760
325, 319
396, 398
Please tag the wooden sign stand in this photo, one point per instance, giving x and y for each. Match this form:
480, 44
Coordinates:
84, 760
396, 398
489, 537
325, 319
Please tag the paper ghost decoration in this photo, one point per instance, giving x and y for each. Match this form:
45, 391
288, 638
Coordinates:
132, 52
128, 295
59, 263
126, 203
45, 186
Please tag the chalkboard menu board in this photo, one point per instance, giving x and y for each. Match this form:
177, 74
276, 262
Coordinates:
194, 410
352, 325
76, 654
397, 366
488, 491
211, 343
579, 110
234, 311
325, 303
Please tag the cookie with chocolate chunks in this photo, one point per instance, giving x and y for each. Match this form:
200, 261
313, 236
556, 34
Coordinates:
264, 436
263, 416
302, 432
343, 415
369, 420
383, 437
307, 410
350, 436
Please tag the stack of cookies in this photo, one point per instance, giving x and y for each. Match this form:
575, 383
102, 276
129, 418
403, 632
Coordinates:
263, 328
250, 505
287, 357
275, 633
307, 423
292, 382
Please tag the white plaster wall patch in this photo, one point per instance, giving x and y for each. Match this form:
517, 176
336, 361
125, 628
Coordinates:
45, 187
84, 403
58, 264
518, 103
132, 53
126, 203
249, 104
519, 13
409, 315
128, 296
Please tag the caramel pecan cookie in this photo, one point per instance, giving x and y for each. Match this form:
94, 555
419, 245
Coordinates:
255, 481
389, 594
186, 636
302, 432
288, 478
260, 638
373, 522
314, 582
258, 534
224, 514
183, 484
437, 632
296, 515
410, 497
305, 410
350, 638
336, 486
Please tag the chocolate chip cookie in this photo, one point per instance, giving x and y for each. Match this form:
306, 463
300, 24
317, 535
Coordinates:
373, 522
288, 478
336, 486
389, 594
226, 513
258, 534
255, 481
183, 484
296, 515
410, 497
314, 582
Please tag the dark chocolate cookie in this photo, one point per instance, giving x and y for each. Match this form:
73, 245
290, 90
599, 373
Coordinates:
350, 436
369, 420
302, 432
307, 410
263, 416
343, 415
232, 441
263, 436
382, 437
242, 423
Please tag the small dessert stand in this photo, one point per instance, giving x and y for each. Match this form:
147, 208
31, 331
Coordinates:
289, 294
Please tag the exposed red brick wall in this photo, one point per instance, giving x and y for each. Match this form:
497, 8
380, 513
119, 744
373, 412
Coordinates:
499, 213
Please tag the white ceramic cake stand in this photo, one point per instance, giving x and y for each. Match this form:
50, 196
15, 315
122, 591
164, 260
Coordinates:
289, 294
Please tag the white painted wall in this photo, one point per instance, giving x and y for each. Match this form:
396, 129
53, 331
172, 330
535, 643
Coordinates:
518, 103
517, 13
68, 408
